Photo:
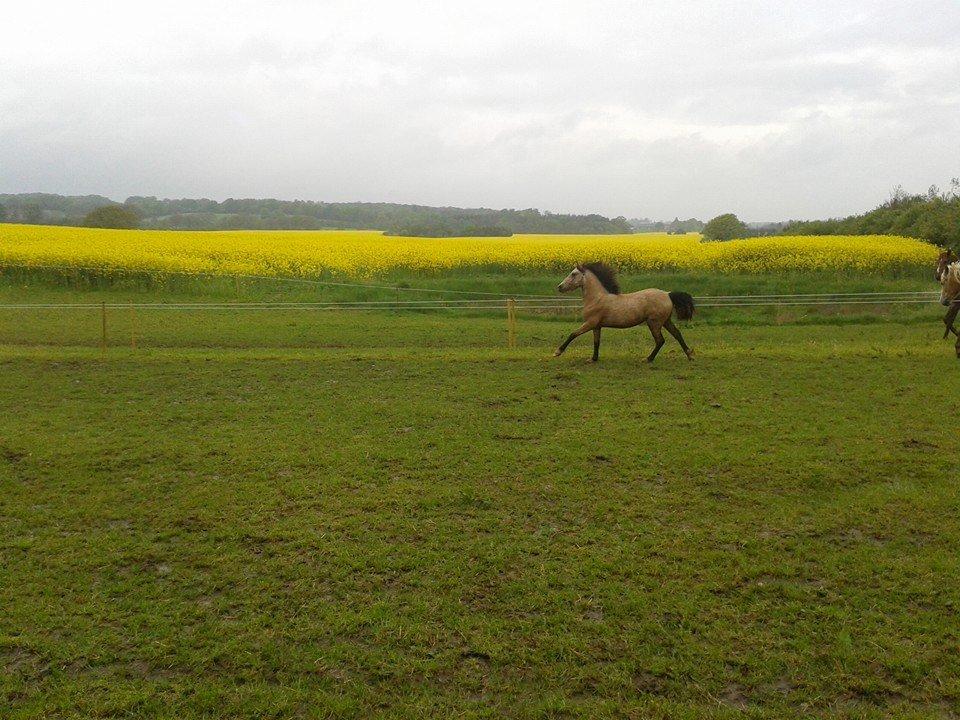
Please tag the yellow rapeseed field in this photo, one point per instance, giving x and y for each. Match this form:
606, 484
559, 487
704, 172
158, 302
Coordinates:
369, 253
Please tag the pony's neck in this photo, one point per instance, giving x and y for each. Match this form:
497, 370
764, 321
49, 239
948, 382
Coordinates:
593, 289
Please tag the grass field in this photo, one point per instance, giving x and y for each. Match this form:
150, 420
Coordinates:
304, 328
391, 514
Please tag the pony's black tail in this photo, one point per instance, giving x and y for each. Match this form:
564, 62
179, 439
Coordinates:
683, 304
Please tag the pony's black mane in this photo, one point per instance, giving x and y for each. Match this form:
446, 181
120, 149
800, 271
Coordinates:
605, 274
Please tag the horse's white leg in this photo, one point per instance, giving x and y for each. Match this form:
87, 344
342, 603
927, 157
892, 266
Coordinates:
573, 336
948, 320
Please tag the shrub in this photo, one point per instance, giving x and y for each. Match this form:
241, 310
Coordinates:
112, 216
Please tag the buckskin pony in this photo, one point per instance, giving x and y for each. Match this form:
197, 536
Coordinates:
605, 306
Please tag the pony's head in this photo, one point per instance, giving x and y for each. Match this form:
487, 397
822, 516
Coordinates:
943, 262
603, 272
572, 281
950, 284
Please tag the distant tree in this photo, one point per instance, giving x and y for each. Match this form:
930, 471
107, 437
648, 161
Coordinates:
3, 213
724, 227
112, 216
32, 213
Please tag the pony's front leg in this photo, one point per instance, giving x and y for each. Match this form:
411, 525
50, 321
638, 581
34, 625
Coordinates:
573, 336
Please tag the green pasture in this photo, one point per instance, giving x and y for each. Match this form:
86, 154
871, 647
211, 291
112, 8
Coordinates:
301, 514
306, 328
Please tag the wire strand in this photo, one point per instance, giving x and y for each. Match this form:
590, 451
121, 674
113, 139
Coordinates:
532, 296
452, 305
487, 301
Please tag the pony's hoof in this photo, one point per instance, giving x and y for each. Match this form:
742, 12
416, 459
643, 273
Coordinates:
556, 353
690, 355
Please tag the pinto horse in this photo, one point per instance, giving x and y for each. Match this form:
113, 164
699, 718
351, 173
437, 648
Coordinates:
950, 297
944, 260
604, 306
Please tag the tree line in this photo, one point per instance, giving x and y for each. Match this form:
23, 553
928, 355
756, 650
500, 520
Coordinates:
933, 216
270, 214
673, 227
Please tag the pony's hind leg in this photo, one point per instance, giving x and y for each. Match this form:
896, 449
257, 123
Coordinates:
658, 338
596, 344
675, 331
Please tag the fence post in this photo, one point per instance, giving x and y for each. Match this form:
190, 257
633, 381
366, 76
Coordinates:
103, 326
133, 327
236, 284
511, 323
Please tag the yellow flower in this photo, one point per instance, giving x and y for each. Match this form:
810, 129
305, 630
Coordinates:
362, 254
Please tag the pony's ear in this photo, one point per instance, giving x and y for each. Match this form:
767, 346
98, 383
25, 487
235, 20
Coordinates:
580, 267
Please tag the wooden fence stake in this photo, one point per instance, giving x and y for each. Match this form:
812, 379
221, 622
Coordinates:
511, 323
236, 284
103, 326
133, 328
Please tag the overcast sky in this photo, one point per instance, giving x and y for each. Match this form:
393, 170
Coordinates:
771, 109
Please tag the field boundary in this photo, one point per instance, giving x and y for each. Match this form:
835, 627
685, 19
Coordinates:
270, 278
